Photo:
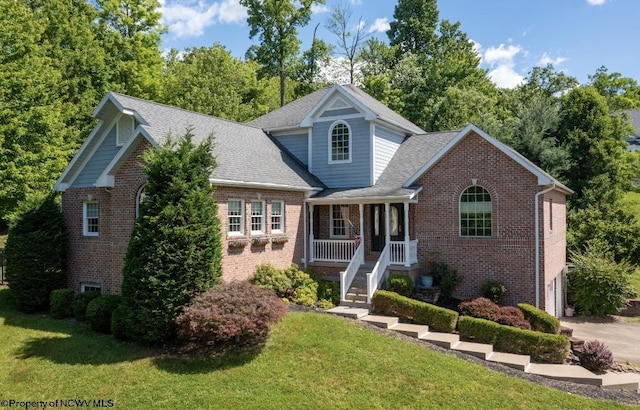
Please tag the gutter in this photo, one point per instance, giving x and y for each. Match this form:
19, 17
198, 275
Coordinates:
537, 228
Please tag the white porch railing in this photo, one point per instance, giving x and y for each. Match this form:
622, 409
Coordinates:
397, 254
333, 250
377, 274
347, 275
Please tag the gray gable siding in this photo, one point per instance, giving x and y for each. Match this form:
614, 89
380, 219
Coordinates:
347, 175
98, 162
297, 145
339, 112
385, 145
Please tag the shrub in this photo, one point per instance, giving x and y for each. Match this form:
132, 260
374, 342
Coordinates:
542, 347
99, 312
436, 317
36, 250
481, 330
540, 320
61, 303
599, 285
494, 291
175, 249
80, 302
481, 308
120, 323
268, 276
444, 277
400, 284
512, 316
292, 284
236, 313
305, 289
596, 356
328, 293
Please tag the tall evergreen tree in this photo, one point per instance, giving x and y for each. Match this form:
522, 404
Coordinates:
174, 251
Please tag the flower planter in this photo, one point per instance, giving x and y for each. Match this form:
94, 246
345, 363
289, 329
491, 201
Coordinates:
427, 281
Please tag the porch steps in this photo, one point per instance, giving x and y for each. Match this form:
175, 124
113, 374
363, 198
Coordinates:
356, 296
564, 372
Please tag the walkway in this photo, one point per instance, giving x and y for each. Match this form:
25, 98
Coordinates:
570, 373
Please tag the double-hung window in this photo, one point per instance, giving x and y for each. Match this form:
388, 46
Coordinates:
339, 221
91, 218
277, 216
340, 142
257, 217
235, 214
475, 212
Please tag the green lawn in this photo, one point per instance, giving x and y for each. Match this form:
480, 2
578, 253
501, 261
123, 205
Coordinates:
632, 202
311, 361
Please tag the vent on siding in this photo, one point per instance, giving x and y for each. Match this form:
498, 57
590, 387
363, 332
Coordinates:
125, 128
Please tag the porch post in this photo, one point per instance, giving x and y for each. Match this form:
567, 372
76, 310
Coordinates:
311, 238
407, 251
387, 233
361, 209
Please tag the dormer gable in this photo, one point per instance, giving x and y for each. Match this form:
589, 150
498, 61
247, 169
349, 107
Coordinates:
337, 103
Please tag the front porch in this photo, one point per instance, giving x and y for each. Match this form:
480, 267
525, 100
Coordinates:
365, 250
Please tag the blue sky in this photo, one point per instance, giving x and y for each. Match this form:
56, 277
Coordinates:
512, 36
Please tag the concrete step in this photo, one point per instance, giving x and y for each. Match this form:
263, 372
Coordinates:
480, 350
356, 304
515, 361
408, 329
381, 321
347, 311
445, 340
621, 381
356, 297
568, 373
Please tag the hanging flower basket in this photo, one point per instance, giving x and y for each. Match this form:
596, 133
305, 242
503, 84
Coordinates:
259, 241
238, 243
279, 240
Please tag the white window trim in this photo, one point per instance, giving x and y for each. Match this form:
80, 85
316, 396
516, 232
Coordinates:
331, 219
330, 140
460, 214
262, 229
85, 225
122, 139
139, 195
242, 213
282, 213
84, 286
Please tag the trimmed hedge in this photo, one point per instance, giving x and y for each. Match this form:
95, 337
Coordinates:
401, 284
61, 303
438, 318
481, 330
80, 303
539, 319
99, 312
542, 347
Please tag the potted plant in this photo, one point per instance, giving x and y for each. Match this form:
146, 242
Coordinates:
569, 312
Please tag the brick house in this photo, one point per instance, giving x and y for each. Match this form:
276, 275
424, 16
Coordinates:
336, 181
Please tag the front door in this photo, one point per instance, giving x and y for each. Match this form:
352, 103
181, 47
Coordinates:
396, 225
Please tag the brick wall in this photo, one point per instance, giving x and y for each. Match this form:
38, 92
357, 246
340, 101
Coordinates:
99, 260
509, 254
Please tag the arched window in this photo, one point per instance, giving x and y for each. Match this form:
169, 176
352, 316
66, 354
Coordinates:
475, 212
340, 142
140, 196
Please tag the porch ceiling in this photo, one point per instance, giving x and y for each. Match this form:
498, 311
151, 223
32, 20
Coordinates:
368, 195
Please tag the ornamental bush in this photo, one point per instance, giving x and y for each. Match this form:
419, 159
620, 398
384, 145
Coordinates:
36, 251
422, 313
236, 313
99, 312
494, 291
513, 316
444, 276
61, 303
482, 308
596, 356
540, 320
328, 292
598, 284
292, 284
401, 284
80, 303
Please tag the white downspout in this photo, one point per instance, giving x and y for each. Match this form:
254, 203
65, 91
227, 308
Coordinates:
537, 228
305, 243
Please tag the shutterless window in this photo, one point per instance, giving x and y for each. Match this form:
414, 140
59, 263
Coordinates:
340, 143
339, 220
277, 216
257, 217
90, 287
475, 212
236, 217
139, 200
91, 218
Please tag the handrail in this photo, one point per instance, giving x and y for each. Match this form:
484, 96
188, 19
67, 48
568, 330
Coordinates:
375, 277
347, 275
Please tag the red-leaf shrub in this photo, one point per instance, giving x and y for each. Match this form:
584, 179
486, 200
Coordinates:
512, 316
596, 356
237, 313
481, 308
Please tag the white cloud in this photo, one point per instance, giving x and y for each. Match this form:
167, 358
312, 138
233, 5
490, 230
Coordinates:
356, 2
596, 2
380, 25
501, 60
545, 59
190, 19
319, 8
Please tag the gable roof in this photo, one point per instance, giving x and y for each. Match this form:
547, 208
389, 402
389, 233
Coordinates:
245, 154
298, 114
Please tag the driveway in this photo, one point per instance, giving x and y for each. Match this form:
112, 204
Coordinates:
620, 334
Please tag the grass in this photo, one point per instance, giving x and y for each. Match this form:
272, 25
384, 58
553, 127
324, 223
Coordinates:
311, 361
632, 202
